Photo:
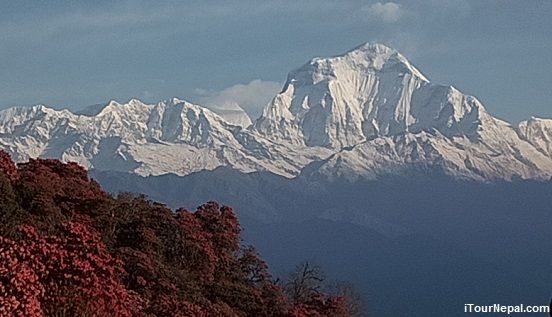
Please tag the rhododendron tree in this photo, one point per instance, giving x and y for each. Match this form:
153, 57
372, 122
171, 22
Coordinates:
7, 166
68, 274
304, 288
68, 248
321, 306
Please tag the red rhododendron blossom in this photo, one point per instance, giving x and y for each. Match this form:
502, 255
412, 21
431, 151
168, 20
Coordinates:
68, 248
71, 274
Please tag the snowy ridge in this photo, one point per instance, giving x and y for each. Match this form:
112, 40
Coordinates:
538, 132
368, 92
169, 137
363, 114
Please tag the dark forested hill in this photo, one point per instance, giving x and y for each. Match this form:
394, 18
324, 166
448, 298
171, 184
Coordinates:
421, 244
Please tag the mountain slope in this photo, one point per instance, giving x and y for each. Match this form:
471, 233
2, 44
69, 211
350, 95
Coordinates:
368, 92
365, 113
169, 137
457, 157
382, 115
538, 132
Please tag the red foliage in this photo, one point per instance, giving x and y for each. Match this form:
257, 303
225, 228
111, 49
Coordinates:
69, 273
169, 306
69, 178
221, 223
7, 166
198, 245
68, 248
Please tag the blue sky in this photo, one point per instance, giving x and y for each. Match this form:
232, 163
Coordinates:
77, 53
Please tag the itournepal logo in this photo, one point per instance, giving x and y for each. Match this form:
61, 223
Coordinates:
507, 309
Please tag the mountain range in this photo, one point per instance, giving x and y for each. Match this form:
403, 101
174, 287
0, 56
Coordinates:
411, 190
363, 114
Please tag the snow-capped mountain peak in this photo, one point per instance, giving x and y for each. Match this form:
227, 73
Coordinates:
364, 113
378, 57
367, 92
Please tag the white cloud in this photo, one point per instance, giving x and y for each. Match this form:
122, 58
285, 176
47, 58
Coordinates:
252, 97
387, 12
